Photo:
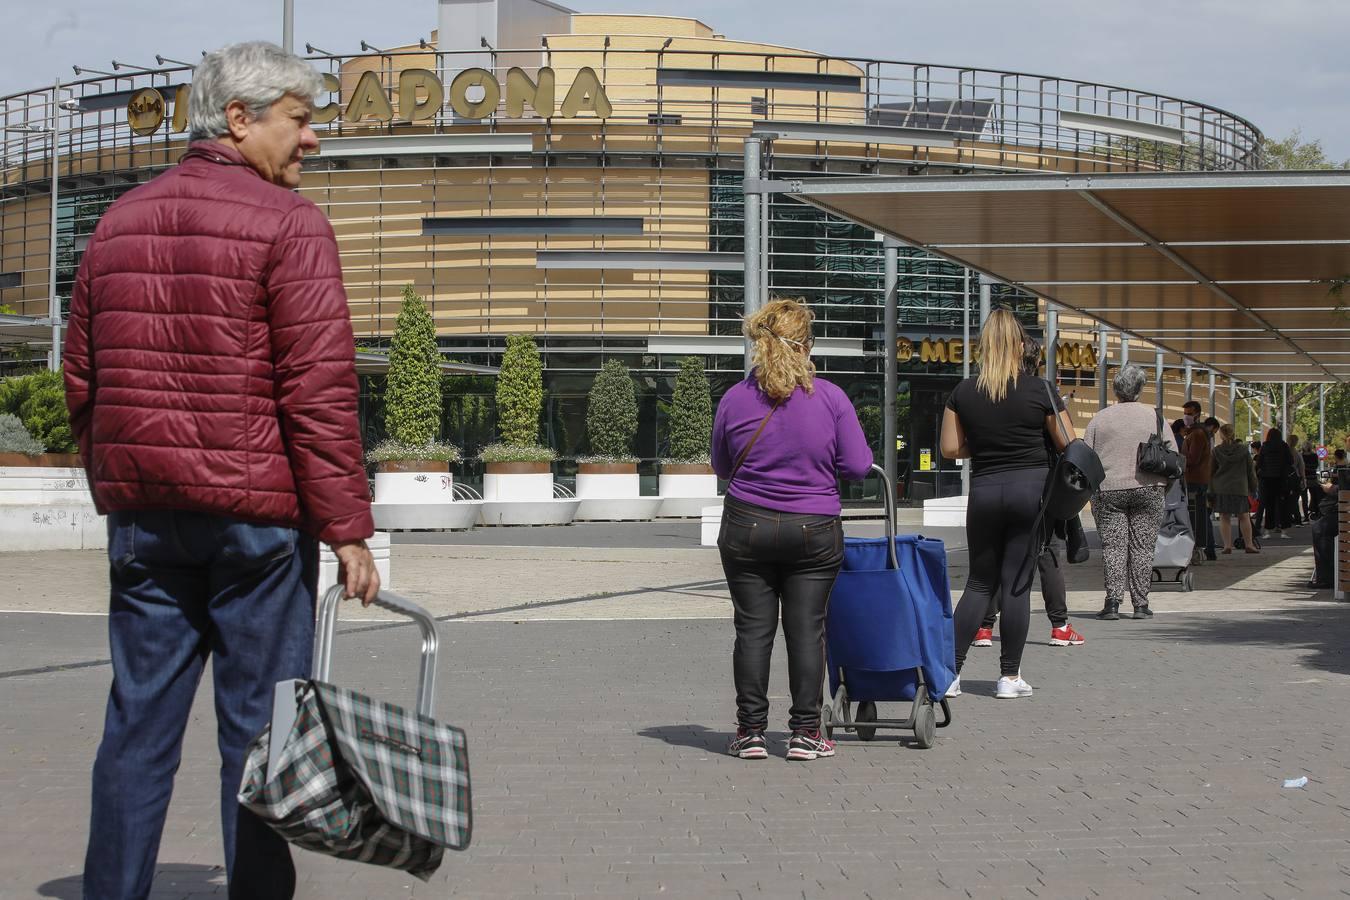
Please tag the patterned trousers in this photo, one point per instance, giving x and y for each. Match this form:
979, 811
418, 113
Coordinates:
1128, 523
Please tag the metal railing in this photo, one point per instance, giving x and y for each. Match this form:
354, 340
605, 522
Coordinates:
997, 119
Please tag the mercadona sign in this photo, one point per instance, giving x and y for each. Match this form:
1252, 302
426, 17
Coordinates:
420, 94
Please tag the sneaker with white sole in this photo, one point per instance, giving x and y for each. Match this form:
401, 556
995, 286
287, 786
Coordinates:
1065, 637
749, 743
806, 745
984, 637
954, 689
1012, 688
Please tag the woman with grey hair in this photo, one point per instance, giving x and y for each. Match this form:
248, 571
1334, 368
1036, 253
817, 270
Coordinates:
1129, 507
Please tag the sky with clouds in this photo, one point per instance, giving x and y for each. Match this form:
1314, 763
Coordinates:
1282, 65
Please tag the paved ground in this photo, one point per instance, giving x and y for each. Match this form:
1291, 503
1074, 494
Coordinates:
594, 685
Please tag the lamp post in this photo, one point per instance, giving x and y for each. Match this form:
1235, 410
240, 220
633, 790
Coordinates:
288, 25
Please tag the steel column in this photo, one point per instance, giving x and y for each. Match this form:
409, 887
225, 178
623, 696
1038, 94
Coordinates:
965, 364
1190, 380
1124, 348
1284, 410
891, 252
1051, 342
1232, 402
1102, 333
1321, 415
986, 299
1213, 390
54, 302
751, 243
1158, 380
288, 26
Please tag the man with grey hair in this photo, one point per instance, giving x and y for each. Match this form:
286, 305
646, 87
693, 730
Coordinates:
212, 388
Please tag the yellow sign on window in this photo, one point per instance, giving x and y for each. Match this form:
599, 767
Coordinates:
925, 460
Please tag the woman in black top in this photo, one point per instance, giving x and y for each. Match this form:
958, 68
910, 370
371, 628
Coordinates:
999, 420
1273, 468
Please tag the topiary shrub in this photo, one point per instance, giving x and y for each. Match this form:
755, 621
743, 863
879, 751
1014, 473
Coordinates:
413, 393
520, 392
611, 413
39, 400
14, 438
691, 414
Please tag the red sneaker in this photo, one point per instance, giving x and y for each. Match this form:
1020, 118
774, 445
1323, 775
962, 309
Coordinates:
983, 638
1065, 637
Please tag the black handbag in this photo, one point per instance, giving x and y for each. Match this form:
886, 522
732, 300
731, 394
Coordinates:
1155, 458
1076, 476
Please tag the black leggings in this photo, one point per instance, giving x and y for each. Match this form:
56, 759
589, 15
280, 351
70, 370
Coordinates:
1053, 591
1271, 507
776, 564
999, 516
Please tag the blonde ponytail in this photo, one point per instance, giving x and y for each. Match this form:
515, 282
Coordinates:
1001, 343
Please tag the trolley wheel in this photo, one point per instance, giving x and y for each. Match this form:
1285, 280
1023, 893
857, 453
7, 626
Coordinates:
1188, 581
827, 721
867, 712
1157, 577
925, 723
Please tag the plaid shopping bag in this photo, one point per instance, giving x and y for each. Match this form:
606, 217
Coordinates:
364, 780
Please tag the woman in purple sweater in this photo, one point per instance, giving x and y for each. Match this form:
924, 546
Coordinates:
782, 439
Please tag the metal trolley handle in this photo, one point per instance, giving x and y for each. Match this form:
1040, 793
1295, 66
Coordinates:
327, 628
888, 497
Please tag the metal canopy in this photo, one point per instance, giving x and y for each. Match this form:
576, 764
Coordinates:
1233, 271
368, 363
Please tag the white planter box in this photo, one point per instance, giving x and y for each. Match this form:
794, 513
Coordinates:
458, 516
379, 548
43, 485
607, 486
528, 512
945, 512
712, 524
518, 486
682, 485
617, 509
414, 487
26, 527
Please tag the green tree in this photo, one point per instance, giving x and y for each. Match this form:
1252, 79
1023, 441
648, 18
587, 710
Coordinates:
520, 392
611, 412
39, 400
691, 413
1294, 153
413, 397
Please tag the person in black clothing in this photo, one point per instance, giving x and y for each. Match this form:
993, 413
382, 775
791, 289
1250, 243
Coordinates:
1312, 498
1273, 469
998, 420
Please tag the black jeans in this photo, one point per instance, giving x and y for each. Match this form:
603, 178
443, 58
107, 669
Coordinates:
774, 559
1202, 524
999, 516
1053, 591
1270, 511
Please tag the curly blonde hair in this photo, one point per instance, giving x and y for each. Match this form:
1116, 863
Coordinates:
780, 332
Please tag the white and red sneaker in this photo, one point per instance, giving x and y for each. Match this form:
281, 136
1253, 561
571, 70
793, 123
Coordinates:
983, 638
749, 744
1065, 637
805, 745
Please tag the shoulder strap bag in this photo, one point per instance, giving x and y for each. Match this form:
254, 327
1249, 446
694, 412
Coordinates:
1154, 457
765, 421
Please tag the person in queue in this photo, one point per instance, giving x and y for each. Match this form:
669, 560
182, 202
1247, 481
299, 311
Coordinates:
782, 438
1274, 468
1233, 482
1196, 447
999, 420
1129, 506
211, 381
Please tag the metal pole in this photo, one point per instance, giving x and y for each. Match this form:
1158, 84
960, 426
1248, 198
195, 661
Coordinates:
891, 253
751, 242
765, 209
54, 303
965, 364
1232, 402
1102, 332
986, 299
1158, 379
1284, 409
1124, 348
1051, 342
1321, 415
288, 25
1213, 391
1190, 380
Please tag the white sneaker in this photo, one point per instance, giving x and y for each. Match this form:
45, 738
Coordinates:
1012, 688
954, 689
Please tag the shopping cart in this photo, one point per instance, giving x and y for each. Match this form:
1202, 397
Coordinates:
888, 633
1175, 545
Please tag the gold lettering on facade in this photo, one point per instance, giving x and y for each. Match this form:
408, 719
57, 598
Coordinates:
933, 351
420, 94
179, 123
145, 111
521, 89
459, 94
587, 94
369, 100
329, 111
904, 350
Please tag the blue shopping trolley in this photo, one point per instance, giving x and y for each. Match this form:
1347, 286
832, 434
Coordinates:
888, 633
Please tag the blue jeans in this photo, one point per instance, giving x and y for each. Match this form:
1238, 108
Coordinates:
187, 586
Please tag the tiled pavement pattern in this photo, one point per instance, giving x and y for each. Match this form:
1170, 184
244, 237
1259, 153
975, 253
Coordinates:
1149, 763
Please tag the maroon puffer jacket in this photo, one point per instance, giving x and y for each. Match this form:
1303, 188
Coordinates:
209, 358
